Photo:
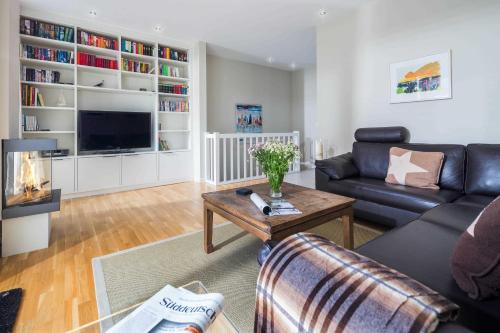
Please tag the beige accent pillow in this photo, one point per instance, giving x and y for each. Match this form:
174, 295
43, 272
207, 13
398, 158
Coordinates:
414, 168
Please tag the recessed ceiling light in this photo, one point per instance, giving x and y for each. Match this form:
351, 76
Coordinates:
270, 60
93, 12
293, 65
157, 28
323, 12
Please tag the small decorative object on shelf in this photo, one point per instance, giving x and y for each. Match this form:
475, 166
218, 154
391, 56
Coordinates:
275, 157
61, 100
100, 84
163, 145
41, 29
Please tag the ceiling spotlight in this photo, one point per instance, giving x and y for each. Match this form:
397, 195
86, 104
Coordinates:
157, 28
323, 12
270, 60
93, 13
293, 65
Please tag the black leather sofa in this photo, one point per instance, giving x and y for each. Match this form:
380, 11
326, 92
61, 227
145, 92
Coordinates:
429, 222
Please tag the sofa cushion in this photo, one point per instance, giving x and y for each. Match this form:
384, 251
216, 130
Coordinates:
483, 169
338, 167
476, 260
414, 168
405, 197
423, 250
452, 215
475, 200
372, 160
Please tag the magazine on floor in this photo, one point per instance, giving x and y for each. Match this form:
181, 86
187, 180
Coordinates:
173, 310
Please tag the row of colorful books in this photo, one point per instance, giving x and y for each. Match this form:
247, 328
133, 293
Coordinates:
173, 88
40, 75
47, 54
31, 96
92, 39
135, 66
96, 61
172, 54
137, 47
46, 30
174, 106
30, 123
169, 70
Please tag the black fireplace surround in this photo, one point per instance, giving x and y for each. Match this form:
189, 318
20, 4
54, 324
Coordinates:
52, 204
428, 223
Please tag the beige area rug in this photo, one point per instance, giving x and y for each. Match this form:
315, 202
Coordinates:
128, 277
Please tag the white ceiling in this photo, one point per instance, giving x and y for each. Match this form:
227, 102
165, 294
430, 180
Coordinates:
249, 30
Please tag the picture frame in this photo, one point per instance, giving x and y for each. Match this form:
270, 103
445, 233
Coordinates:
422, 79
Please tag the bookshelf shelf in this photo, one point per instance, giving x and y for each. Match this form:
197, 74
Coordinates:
97, 69
174, 62
50, 85
173, 78
173, 95
46, 63
174, 131
115, 90
27, 39
48, 108
140, 57
98, 50
143, 75
48, 132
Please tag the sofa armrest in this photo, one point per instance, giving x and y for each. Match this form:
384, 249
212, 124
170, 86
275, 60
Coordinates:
338, 167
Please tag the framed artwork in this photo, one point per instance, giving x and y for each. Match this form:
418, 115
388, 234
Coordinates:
248, 118
422, 79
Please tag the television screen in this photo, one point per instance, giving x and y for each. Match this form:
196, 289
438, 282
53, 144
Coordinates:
113, 130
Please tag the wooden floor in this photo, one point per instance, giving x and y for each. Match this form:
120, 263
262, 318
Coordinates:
58, 283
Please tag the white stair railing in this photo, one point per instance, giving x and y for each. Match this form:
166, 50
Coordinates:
227, 159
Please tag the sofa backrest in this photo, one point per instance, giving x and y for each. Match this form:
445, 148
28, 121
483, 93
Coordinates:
372, 160
483, 169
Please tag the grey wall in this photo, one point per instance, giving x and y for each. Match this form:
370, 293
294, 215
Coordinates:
354, 54
230, 82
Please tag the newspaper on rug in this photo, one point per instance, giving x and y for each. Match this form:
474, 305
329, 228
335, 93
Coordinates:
173, 310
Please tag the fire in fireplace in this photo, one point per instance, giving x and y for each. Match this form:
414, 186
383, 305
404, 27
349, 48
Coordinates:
27, 176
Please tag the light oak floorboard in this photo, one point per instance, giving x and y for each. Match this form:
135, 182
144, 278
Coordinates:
58, 282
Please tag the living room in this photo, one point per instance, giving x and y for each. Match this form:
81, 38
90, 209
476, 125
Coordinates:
286, 166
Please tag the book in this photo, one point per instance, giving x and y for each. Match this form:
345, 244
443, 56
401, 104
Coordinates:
87, 59
136, 47
92, 39
166, 52
169, 88
173, 310
47, 54
42, 29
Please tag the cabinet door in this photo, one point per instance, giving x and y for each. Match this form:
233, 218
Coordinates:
97, 173
63, 174
175, 166
139, 169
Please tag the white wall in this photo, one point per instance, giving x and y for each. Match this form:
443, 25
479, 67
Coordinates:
230, 82
353, 57
304, 108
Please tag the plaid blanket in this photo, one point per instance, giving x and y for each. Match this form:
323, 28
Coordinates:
309, 284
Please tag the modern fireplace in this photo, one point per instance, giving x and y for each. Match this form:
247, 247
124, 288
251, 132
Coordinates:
27, 194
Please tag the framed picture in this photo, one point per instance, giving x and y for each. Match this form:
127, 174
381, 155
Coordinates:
422, 79
248, 118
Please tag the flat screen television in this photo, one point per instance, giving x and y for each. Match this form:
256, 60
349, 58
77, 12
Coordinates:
113, 131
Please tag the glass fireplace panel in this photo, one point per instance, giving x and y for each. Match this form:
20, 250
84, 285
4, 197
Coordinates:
28, 178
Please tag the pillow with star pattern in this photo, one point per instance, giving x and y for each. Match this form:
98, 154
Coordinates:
414, 168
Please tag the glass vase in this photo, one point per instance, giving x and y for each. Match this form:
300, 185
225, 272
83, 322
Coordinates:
275, 181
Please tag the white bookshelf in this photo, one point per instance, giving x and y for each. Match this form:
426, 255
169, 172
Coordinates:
121, 90
80, 93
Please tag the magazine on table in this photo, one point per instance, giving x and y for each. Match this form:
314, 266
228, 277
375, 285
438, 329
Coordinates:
173, 310
275, 208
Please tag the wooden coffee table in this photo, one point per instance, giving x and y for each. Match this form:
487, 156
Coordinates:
317, 207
